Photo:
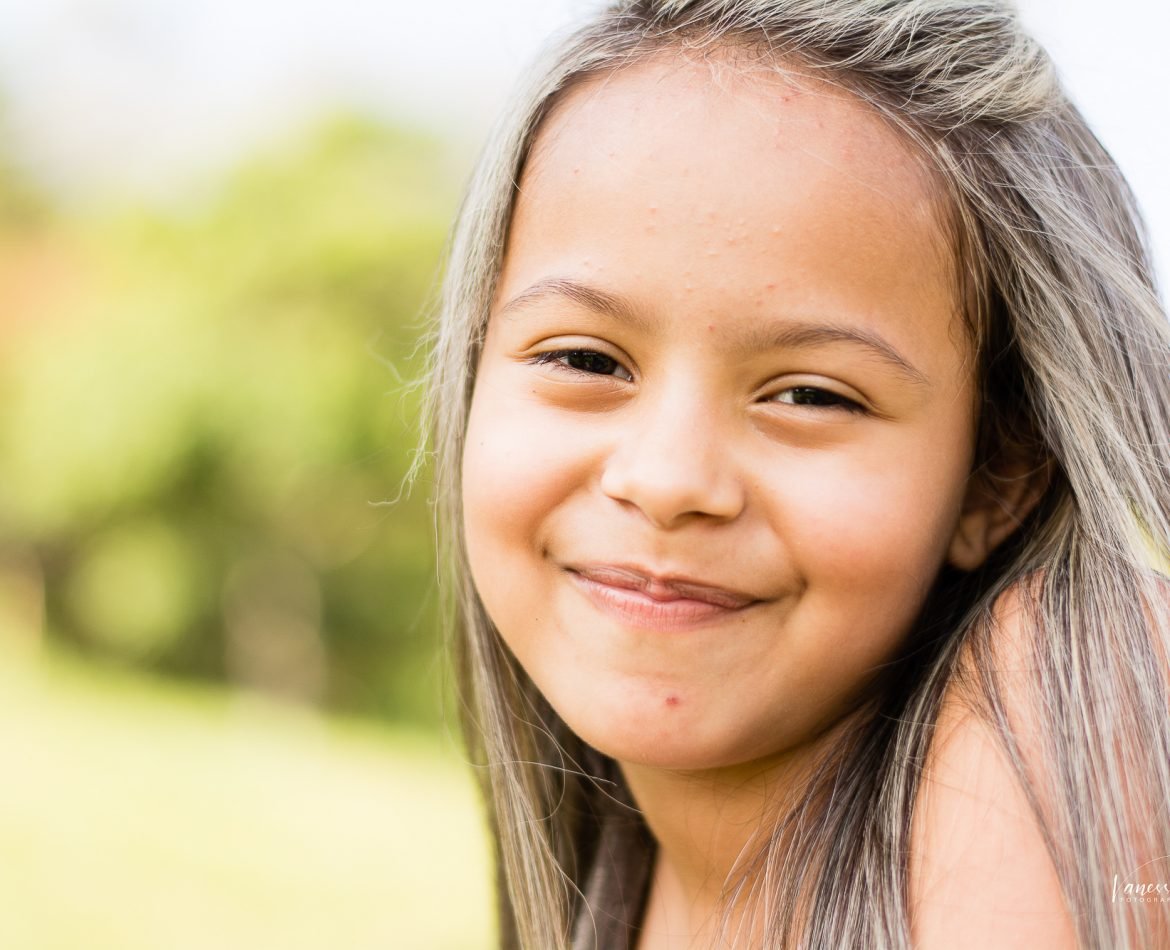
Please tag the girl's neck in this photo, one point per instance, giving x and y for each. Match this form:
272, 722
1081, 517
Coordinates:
708, 826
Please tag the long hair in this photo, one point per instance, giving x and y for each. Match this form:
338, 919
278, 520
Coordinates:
1074, 353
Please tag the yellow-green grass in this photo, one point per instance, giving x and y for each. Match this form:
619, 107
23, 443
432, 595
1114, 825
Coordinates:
136, 815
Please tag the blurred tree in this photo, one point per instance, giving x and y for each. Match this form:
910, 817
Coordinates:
193, 440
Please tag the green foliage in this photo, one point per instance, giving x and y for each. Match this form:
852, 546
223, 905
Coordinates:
194, 436
149, 559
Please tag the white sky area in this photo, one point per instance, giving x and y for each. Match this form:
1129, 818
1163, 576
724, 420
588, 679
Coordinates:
141, 96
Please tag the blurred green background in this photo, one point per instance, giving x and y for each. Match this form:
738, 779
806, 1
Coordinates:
222, 705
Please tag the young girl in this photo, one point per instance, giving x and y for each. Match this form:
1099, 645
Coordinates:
802, 421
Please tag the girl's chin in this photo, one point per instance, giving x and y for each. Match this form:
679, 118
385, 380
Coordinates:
660, 741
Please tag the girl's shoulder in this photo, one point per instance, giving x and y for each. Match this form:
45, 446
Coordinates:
980, 873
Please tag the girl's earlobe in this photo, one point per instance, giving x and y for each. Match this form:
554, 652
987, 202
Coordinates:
997, 501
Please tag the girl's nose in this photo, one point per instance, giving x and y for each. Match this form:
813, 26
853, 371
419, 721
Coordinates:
673, 466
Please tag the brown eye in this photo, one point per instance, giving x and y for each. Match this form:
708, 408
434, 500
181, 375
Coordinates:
817, 398
589, 362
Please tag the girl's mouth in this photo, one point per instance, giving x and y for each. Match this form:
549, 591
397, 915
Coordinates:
638, 598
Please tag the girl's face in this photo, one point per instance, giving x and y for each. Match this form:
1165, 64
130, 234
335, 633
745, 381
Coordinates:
724, 414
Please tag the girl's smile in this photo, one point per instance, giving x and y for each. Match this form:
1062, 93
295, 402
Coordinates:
638, 597
722, 398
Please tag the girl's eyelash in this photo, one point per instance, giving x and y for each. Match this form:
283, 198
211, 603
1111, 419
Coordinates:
595, 363
808, 395
587, 359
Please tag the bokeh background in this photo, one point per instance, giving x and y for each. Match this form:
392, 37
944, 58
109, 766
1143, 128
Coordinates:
224, 718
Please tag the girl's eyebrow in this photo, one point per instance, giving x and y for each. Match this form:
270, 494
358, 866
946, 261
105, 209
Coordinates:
592, 298
799, 334
796, 334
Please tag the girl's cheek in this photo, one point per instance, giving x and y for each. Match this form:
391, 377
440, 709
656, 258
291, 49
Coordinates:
516, 465
881, 514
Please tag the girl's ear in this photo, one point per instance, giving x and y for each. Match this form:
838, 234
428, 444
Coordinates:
997, 500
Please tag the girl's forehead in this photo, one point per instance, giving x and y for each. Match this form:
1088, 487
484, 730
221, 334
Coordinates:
702, 186
754, 109
730, 200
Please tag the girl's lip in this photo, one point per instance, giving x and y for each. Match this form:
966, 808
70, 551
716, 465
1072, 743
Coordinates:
647, 601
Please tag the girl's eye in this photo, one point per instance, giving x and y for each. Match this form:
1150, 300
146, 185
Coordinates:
589, 362
817, 398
